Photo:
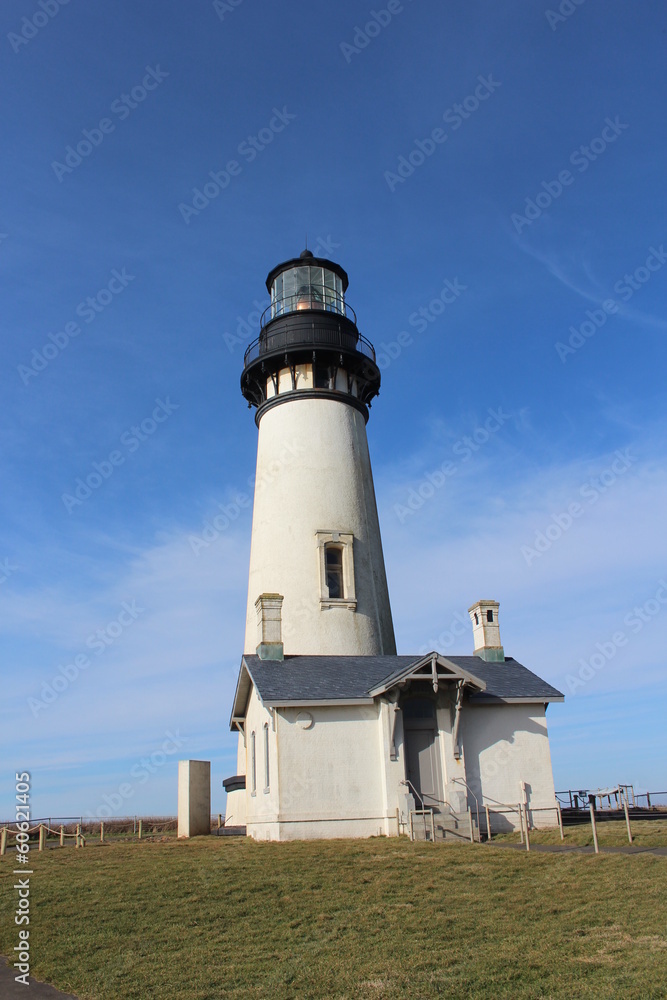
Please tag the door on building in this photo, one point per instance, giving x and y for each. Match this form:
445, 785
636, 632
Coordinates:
422, 757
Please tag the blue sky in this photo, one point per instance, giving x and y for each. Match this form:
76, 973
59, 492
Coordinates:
532, 153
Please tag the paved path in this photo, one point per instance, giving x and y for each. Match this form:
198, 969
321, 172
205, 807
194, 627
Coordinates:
573, 848
11, 990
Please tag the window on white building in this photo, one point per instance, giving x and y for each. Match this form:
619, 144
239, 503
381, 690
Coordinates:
253, 764
266, 757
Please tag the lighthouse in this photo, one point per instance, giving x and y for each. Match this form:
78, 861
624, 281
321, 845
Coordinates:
315, 531
338, 736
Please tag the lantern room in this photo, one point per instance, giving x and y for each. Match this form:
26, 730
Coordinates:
307, 283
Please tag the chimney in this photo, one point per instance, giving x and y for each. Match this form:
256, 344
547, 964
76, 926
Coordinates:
269, 626
486, 631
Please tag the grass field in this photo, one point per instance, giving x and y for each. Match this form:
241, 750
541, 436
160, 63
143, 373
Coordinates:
224, 917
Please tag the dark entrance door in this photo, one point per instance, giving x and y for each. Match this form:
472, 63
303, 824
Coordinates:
422, 759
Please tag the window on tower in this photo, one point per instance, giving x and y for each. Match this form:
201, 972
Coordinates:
336, 569
489, 616
322, 377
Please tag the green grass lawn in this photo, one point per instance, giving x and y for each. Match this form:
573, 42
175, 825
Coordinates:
611, 833
223, 917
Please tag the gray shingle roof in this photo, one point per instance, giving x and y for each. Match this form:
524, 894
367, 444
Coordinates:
350, 678
506, 680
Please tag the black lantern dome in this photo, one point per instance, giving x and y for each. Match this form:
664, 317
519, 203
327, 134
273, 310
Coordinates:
308, 322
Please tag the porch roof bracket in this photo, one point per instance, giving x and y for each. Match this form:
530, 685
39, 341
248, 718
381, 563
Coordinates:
434, 671
458, 701
393, 754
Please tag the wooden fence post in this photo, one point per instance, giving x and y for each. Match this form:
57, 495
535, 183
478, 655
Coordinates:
521, 822
560, 820
472, 838
78, 835
3, 840
525, 810
62, 836
42, 836
219, 820
102, 832
594, 826
141, 823
488, 823
627, 820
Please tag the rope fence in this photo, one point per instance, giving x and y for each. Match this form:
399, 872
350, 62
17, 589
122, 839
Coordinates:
81, 831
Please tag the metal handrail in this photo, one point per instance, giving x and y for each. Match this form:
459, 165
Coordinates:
287, 304
293, 303
409, 784
361, 344
461, 781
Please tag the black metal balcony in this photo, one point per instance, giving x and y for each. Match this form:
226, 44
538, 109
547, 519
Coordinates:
308, 329
323, 335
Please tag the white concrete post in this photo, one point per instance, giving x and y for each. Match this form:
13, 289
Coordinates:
194, 798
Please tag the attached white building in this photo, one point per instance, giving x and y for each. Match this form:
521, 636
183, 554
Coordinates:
339, 736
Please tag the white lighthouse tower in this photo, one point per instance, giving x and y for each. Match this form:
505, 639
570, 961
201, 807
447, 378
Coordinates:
315, 530
338, 736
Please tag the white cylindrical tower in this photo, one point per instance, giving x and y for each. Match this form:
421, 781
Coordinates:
315, 531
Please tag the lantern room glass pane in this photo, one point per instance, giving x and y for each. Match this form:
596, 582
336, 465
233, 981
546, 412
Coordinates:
307, 287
